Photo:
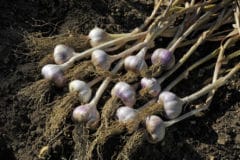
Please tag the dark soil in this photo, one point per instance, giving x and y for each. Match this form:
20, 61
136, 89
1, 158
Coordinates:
28, 32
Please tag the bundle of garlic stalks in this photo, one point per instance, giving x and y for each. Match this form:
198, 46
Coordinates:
131, 75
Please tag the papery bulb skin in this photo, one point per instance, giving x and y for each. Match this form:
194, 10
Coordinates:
54, 73
163, 58
155, 128
85, 92
152, 85
125, 114
101, 59
134, 63
62, 53
125, 92
172, 104
98, 36
86, 114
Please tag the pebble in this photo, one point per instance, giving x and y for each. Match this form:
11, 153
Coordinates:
237, 139
223, 139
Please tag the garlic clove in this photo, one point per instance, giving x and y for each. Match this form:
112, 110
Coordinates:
125, 92
171, 103
54, 73
125, 114
85, 92
86, 114
155, 128
101, 59
164, 58
62, 53
152, 85
134, 64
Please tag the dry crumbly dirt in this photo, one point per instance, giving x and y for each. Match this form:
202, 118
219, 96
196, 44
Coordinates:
25, 28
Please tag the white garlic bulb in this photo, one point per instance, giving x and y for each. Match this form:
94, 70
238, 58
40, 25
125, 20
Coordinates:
152, 85
164, 58
62, 53
101, 59
54, 73
155, 128
125, 114
125, 92
98, 36
84, 90
135, 64
172, 104
86, 114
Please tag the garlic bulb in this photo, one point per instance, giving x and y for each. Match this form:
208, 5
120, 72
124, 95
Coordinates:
62, 53
87, 114
98, 36
155, 128
84, 90
54, 73
152, 85
101, 59
125, 92
172, 104
134, 63
164, 58
125, 114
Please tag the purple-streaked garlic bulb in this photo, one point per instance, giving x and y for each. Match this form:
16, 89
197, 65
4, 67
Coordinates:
134, 64
62, 53
155, 128
172, 104
86, 114
101, 59
125, 114
125, 92
54, 73
84, 91
163, 58
152, 86
98, 36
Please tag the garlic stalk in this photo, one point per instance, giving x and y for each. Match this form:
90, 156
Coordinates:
176, 103
156, 127
53, 72
200, 40
102, 60
88, 113
99, 36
